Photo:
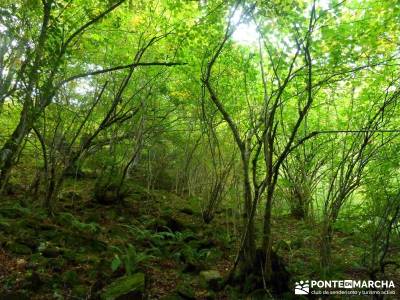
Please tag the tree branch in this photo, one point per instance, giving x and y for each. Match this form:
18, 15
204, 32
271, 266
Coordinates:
88, 24
117, 68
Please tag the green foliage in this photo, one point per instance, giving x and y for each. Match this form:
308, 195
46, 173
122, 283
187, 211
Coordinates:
146, 236
128, 258
123, 286
69, 220
165, 94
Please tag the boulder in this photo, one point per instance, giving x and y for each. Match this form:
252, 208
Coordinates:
185, 291
128, 287
211, 279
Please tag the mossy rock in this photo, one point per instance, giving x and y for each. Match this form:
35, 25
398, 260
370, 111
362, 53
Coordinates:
127, 287
211, 279
185, 291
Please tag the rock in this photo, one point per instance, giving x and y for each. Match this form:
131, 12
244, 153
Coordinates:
211, 279
187, 211
18, 248
186, 292
125, 288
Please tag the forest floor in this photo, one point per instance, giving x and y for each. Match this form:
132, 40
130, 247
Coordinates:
81, 251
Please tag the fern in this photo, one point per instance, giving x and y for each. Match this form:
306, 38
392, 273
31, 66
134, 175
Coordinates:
129, 258
71, 221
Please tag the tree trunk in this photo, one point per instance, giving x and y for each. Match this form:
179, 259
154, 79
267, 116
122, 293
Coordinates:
248, 254
300, 203
267, 237
10, 150
326, 245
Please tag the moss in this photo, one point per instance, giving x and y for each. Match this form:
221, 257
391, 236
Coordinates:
125, 286
79, 291
18, 248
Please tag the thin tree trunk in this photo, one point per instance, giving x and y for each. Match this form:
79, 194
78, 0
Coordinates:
326, 246
267, 237
10, 150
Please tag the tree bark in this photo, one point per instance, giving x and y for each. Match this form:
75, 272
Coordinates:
326, 246
10, 149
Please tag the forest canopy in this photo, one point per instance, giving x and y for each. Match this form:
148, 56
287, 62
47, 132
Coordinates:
210, 149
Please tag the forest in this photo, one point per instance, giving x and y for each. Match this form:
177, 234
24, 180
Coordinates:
199, 149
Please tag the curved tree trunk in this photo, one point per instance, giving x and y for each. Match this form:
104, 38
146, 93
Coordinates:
10, 150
